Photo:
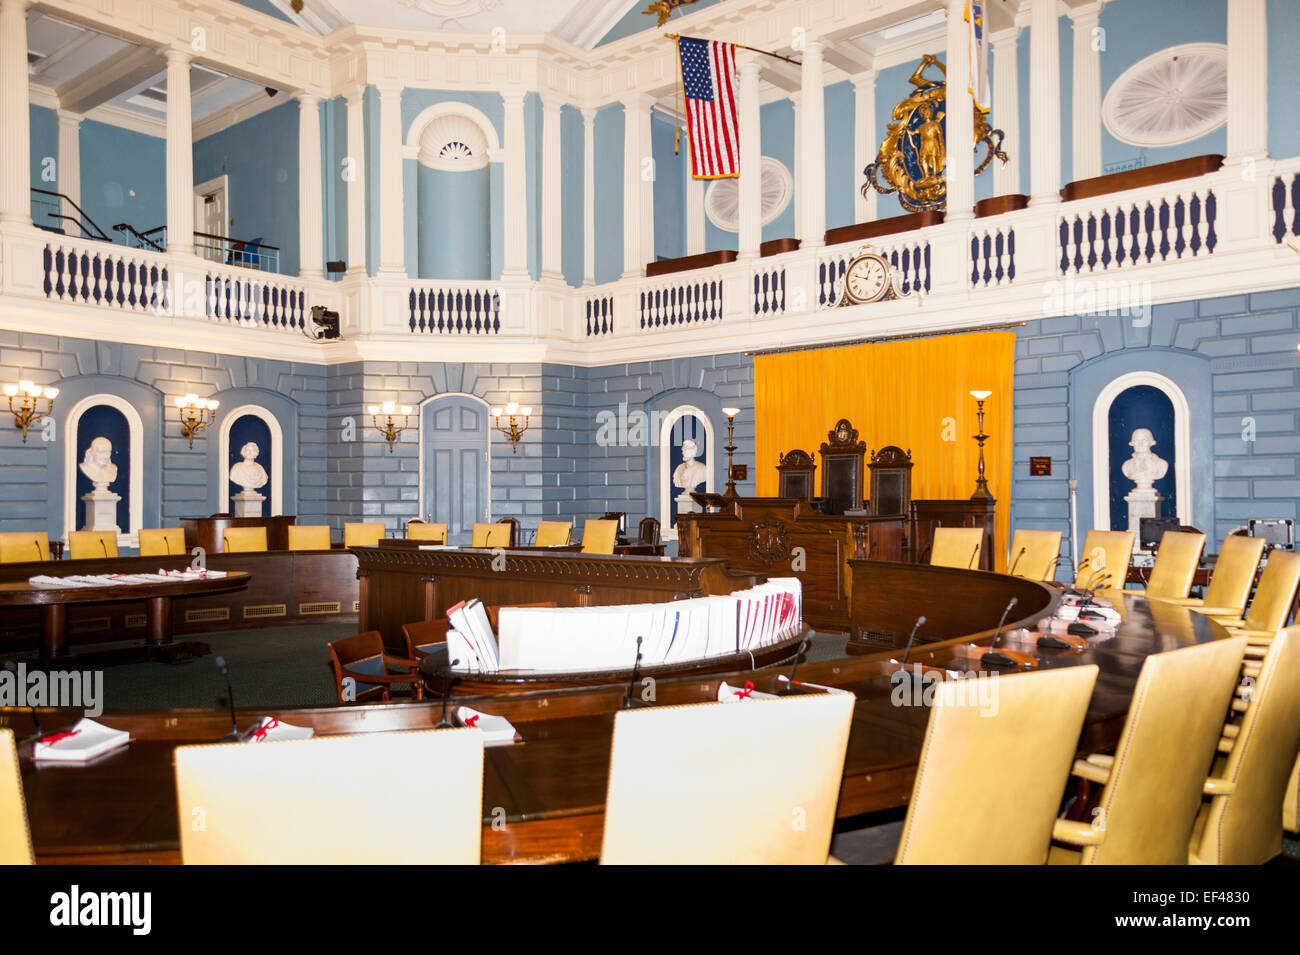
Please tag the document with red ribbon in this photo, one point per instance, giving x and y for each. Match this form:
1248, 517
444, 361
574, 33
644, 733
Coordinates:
86, 740
497, 730
272, 728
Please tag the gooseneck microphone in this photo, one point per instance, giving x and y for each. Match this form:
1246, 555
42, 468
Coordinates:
1016, 562
233, 736
911, 637
1006, 657
974, 556
445, 723
636, 670
803, 645
36, 720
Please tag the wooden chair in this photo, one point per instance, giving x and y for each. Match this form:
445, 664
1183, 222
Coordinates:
423, 637
1034, 554
84, 545
990, 779
162, 541
243, 540
15, 836
513, 522
553, 533
1152, 790
957, 547
1232, 580
1105, 559
674, 798
23, 546
494, 613
490, 535
420, 531
309, 537
620, 517
599, 537
358, 534
647, 532
413, 798
372, 671
1175, 566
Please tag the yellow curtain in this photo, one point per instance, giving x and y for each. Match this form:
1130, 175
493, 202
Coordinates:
914, 394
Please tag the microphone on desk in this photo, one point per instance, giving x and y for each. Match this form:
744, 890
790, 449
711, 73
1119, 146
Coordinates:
233, 736
974, 556
1016, 562
911, 637
1013, 658
36, 720
636, 670
103, 546
803, 645
445, 723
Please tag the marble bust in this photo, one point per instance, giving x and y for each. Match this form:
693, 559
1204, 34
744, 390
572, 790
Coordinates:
97, 464
690, 474
1144, 468
248, 474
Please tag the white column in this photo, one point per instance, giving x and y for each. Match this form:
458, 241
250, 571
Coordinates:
1087, 93
311, 241
180, 154
515, 196
15, 153
694, 213
588, 196
865, 145
1006, 111
638, 185
796, 173
1044, 103
354, 170
69, 170
750, 236
552, 214
959, 165
1247, 79
812, 145
391, 252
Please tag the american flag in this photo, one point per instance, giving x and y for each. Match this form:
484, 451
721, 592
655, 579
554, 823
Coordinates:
709, 88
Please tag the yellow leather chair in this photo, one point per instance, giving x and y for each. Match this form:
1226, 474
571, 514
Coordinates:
599, 536
490, 535
1272, 602
15, 837
1233, 577
992, 771
1175, 566
243, 540
430, 533
1291, 804
553, 533
1242, 823
83, 545
162, 541
309, 537
1103, 565
957, 547
726, 783
23, 546
362, 534
1151, 789
1034, 554
410, 798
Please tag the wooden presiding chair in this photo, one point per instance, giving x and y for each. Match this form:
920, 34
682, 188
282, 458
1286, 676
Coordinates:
432, 533
83, 545
373, 672
15, 837
1034, 554
599, 536
553, 533
1151, 790
1175, 566
424, 636
990, 783
674, 797
957, 547
162, 541
309, 537
1105, 559
1232, 580
243, 540
358, 534
647, 532
513, 523
411, 798
23, 546
490, 535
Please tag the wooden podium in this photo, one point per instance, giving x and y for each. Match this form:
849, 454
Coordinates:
207, 532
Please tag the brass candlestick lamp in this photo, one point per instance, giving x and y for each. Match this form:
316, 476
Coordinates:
981, 483
512, 429
389, 429
730, 449
27, 414
195, 414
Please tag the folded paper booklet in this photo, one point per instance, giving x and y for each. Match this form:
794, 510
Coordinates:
731, 694
497, 730
83, 742
271, 728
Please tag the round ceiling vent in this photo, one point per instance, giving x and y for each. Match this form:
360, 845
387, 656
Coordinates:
453, 142
1171, 97
722, 200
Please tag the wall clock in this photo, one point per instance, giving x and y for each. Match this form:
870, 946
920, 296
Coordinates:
868, 278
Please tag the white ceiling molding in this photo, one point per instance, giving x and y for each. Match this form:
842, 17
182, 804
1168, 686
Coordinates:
588, 22
1173, 96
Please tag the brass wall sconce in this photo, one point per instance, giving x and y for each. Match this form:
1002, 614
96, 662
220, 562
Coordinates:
195, 414
388, 429
27, 412
981, 483
512, 429
730, 449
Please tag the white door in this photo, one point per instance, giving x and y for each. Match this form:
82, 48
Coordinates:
211, 217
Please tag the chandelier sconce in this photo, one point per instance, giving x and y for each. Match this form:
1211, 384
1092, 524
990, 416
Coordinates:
981, 483
389, 428
28, 413
195, 414
512, 429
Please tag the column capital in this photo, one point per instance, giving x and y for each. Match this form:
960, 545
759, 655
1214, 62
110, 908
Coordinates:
637, 100
67, 118
814, 47
552, 102
1005, 38
1085, 14
175, 55
389, 88
513, 98
354, 95
747, 64
863, 81
306, 100
589, 116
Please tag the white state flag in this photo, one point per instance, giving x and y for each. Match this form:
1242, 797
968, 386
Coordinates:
979, 54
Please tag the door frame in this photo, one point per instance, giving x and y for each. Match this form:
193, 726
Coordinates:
424, 503
219, 184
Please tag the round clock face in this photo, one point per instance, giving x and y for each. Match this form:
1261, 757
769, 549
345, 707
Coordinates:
867, 279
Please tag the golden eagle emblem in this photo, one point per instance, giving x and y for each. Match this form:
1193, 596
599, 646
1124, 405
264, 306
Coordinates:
665, 8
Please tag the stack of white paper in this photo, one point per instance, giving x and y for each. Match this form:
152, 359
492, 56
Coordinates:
497, 730
271, 728
83, 742
470, 638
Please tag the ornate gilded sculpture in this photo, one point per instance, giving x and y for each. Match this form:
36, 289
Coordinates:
912, 157
665, 8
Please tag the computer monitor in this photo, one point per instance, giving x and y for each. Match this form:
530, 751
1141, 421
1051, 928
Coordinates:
1151, 529
1278, 532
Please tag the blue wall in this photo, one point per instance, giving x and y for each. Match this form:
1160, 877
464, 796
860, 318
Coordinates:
123, 177
609, 194
572, 198
45, 144
778, 137
840, 174
334, 196
454, 211
669, 190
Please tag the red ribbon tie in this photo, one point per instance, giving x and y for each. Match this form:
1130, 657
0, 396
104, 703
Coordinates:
51, 740
747, 692
270, 724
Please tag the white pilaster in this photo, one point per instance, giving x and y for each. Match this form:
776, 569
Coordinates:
1247, 79
1087, 93
311, 242
1044, 104
15, 153
865, 146
69, 169
638, 185
1006, 110
812, 146
552, 214
391, 252
750, 235
515, 263
180, 154
354, 172
588, 196
959, 165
